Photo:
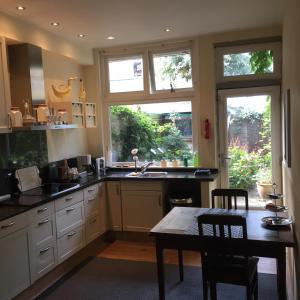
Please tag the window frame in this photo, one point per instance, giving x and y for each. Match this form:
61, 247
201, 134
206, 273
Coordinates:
153, 89
107, 125
119, 95
221, 51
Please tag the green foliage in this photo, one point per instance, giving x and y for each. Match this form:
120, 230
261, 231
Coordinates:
130, 130
178, 65
243, 166
261, 61
135, 129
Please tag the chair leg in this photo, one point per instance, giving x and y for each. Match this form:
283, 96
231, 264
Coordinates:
213, 290
205, 289
180, 264
256, 287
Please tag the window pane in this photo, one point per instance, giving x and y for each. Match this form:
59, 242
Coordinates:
248, 63
126, 75
173, 70
159, 131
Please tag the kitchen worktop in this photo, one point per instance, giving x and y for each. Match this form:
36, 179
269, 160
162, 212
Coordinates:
14, 206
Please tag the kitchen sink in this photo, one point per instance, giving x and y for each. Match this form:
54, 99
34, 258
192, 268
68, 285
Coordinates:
149, 174
153, 174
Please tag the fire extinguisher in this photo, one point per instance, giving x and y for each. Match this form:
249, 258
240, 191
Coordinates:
206, 129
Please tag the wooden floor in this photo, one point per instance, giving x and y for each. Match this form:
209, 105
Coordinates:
145, 251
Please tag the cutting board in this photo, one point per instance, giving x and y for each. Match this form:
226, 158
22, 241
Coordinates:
28, 178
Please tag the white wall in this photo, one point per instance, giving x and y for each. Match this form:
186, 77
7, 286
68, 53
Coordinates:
291, 80
70, 142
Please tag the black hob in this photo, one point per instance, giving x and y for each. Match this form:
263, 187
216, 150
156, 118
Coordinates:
51, 189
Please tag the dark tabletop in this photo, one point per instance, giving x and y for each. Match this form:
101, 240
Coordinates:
182, 221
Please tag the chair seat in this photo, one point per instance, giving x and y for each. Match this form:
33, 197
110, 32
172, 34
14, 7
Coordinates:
230, 269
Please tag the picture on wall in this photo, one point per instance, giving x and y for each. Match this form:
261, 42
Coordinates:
287, 128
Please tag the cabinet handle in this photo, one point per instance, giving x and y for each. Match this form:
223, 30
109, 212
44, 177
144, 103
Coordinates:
44, 250
159, 200
71, 234
92, 190
69, 198
9, 122
7, 225
70, 209
93, 221
92, 199
43, 222
42, 210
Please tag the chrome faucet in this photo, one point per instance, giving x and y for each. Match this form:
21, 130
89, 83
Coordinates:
145, 166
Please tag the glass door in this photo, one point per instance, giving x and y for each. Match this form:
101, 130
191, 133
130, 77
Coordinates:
250, 141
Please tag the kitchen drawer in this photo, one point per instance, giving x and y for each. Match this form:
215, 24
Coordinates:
42, 260
42, 231
69, 218
92, 228
91, 191
70, 243
13, 224
42, 211
141, 186
68, 200
91, 206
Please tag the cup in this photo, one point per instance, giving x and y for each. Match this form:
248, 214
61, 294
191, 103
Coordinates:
15, 116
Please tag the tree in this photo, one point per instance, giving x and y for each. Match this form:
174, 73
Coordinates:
261, 61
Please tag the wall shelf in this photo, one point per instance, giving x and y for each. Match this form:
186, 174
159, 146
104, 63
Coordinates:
45, 127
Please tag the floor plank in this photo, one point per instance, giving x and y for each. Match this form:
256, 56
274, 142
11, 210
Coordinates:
145, 251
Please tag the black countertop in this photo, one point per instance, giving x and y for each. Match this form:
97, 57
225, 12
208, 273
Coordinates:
15, 206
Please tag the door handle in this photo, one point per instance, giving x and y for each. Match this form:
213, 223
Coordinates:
43, 222
8, 225
42, 210
70, 209
68, 199
44, 250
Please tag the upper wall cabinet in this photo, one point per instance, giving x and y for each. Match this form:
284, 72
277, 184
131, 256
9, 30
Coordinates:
5, 100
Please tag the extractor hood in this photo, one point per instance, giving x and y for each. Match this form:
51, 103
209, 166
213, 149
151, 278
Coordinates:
26, 75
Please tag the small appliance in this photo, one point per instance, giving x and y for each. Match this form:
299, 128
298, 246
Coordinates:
100, 165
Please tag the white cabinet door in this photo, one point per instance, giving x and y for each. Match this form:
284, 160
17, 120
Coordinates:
103, 208
14, 264
141, 210
4, 89
114, 205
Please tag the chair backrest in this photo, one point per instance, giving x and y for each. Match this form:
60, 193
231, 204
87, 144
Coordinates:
219, 232
228, 195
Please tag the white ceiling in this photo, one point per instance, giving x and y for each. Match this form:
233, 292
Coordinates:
134, 21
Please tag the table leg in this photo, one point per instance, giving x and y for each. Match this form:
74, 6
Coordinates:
160, 270
180, 264
281, 274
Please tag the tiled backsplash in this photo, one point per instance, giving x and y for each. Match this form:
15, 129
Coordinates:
23, 149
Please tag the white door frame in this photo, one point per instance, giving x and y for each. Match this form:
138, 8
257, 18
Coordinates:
274, 92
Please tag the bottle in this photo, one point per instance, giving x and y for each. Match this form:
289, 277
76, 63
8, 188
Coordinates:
196, 159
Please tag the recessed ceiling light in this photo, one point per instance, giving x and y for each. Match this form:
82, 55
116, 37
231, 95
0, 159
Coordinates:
20, 7
110, 37
81, 35
55, 24
167, 29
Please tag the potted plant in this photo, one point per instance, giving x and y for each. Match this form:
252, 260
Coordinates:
264, 182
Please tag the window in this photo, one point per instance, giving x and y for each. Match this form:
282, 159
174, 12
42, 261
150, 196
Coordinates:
158, 130
171, 70
249, 62
126, 74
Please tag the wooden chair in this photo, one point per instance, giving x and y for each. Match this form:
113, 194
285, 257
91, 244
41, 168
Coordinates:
220, 236
228, 195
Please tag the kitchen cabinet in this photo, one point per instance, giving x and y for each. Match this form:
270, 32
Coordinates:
142, 205
14, 261
42, 241
5, 99
114, 205
95, 211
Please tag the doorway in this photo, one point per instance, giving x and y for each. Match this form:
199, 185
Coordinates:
250, 141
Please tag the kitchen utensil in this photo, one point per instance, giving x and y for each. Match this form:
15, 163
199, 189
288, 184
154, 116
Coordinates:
28, 178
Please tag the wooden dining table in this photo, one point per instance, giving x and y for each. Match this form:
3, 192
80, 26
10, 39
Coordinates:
179, 230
